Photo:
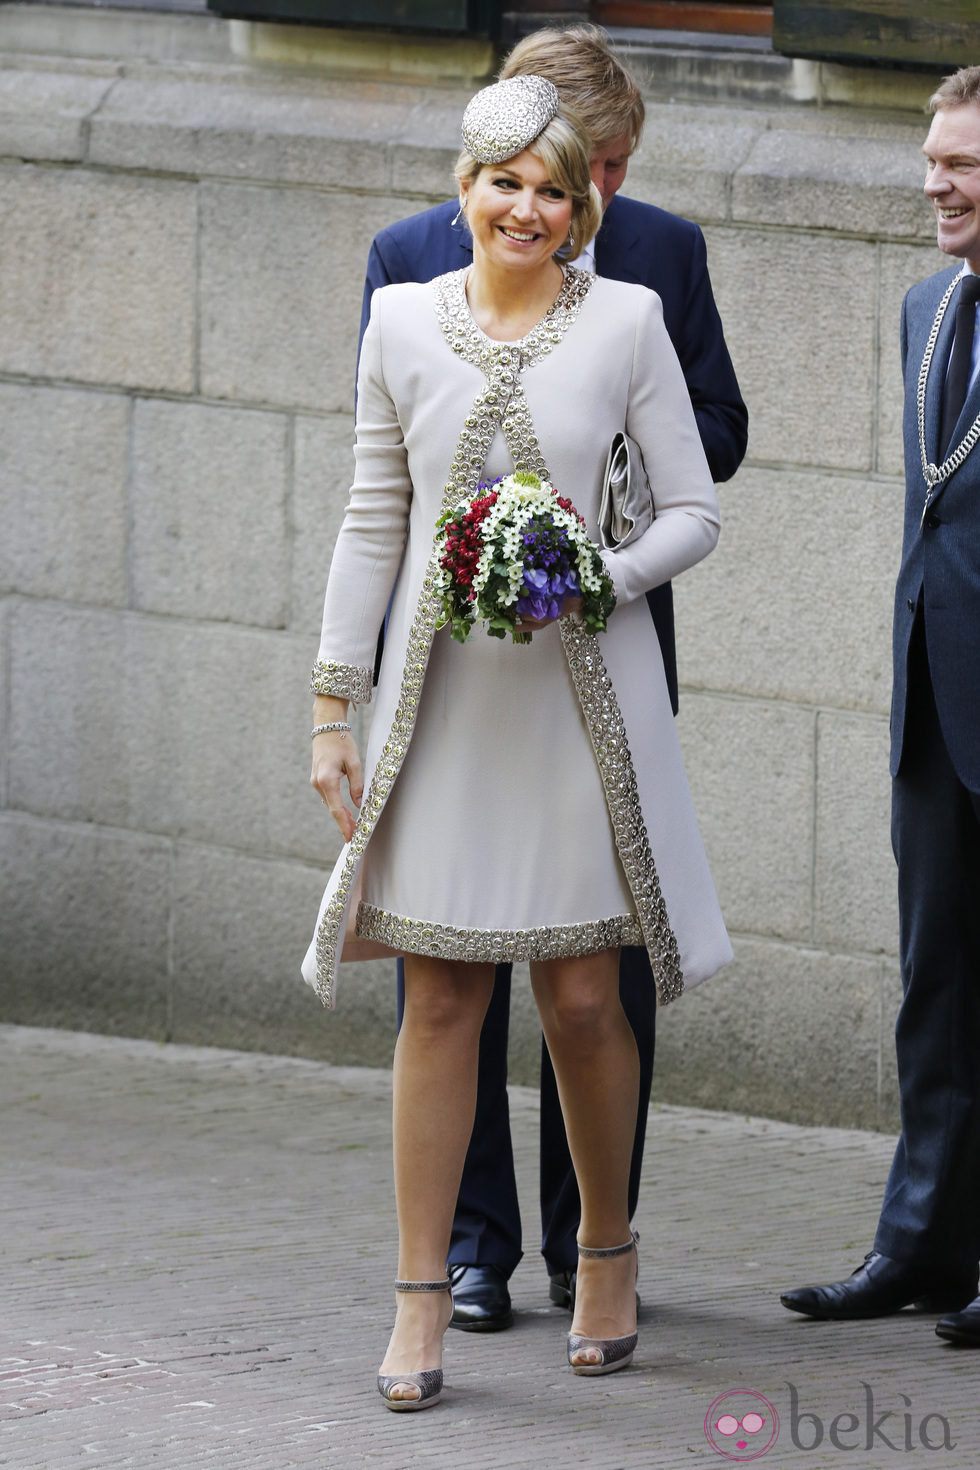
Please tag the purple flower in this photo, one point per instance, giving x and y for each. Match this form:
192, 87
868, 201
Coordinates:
538, 605
536, 580
543, 594
565, 584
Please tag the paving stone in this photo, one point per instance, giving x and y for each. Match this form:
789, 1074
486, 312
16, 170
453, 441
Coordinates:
102, 39
730, 1040
43, 113
97, 277
84, 927
6, 606
209, 514
63, 493
282, 275
687, 157
179, 729
107, 754
808, 180
796, 602
241, 929
855, 888
799, 315
323, 470
200, 1245
425, 145
751, 769
398, 57
244, 783
308, 133
898, 124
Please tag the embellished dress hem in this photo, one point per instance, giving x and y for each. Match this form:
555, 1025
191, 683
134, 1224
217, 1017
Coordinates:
495, 946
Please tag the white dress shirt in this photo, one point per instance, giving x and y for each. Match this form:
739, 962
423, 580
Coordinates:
586, 261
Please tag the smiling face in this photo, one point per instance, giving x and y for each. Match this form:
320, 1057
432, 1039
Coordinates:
952, 152
608, 166
518, 218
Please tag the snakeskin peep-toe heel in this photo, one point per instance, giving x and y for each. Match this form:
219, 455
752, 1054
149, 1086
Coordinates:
614, 1352
428, 1381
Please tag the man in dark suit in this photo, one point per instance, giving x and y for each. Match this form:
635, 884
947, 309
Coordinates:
928, 1239
641, 244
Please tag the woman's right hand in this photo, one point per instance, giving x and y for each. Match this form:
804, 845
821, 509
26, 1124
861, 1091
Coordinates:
335, 755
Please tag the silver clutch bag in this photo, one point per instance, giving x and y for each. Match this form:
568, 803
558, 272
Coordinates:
626, 505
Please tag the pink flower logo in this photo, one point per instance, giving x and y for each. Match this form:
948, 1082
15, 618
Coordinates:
741, 1424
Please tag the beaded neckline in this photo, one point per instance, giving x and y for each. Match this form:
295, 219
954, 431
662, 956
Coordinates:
519, 342
470, 341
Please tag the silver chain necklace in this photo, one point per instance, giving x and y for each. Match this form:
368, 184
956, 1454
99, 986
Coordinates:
936, 475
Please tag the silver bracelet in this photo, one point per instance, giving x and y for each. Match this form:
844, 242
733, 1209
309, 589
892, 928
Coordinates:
341, 725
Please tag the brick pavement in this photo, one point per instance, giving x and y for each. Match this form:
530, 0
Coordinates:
196, 1250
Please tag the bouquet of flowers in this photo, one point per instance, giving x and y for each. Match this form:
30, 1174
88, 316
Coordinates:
518, 549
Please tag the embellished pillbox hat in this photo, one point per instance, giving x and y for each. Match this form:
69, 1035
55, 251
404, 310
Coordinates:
505, 118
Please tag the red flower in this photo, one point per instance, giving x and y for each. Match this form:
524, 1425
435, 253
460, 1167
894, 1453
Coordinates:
567, 505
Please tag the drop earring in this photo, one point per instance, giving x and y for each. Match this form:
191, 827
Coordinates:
460, 213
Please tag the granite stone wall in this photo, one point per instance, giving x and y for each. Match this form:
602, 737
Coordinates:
181, 255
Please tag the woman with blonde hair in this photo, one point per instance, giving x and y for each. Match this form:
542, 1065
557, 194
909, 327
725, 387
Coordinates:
519, 801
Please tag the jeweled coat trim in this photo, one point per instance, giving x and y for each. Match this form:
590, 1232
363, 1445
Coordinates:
495, 946
502, 404
607, 731
343, 681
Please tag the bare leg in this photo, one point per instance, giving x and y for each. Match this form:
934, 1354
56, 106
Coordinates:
593, 1051
435, 1071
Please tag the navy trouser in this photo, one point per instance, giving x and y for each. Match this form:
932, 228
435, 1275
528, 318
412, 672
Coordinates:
487, 1224
931, 1211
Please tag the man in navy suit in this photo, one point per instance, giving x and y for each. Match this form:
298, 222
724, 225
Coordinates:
635, 243
928, 1239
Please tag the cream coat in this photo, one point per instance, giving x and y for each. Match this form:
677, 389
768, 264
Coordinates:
601, 363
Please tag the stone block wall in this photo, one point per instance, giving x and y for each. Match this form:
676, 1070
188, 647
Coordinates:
182, 246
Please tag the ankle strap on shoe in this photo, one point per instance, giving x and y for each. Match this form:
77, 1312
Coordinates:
603, 1253
423, 1285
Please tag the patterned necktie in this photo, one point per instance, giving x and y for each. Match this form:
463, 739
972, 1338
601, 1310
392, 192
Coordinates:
960, 361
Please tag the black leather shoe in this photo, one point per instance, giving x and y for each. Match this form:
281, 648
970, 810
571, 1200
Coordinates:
962, 1327
481, 1301
561, 1290
879, 1287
